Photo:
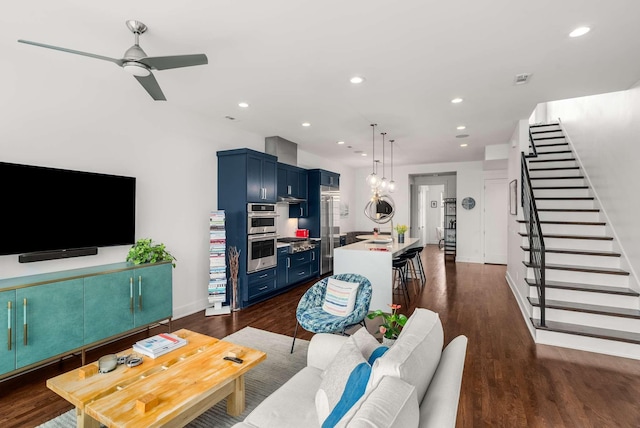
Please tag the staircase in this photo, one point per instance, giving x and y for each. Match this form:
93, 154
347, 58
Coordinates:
589, 302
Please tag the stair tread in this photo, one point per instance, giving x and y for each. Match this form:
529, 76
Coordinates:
540, 125
559, 187
574, 251
553, 160
565, 177
554, 152
582, 330
565, 198
555, 168
579, 223
594, 288
587, 307
545, 132
591, 269
552, 235
579, 210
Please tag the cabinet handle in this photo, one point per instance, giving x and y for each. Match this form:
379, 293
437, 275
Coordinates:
264, 276
9, 325
288, 189
301, 273
25, 324
313, 255
140, 292
288, 262
301, 214
131, 294
263, 288
300, 259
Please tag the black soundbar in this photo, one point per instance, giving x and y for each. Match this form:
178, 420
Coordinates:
57, 254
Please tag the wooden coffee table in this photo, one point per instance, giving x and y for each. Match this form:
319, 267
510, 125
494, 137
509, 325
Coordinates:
170, 390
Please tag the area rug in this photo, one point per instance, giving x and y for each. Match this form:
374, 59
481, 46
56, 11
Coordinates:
260, 382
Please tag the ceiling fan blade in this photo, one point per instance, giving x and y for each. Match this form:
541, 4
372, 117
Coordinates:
175, 61
57, 48
151, 85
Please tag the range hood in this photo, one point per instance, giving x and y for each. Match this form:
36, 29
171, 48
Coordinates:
287, 152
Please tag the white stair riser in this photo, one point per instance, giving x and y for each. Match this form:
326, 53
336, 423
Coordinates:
565, 203
558, 183
581, 260
591, 344
568, 229
587, 297
568, 216
588, 319
560, 193
558, 155
554, 164
552, 150
555, 173
546, 132
578, 244
583, 277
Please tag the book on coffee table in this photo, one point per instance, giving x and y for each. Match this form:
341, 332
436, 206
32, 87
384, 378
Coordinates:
159, 344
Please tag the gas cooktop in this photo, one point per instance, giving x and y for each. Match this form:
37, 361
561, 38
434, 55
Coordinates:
289, 240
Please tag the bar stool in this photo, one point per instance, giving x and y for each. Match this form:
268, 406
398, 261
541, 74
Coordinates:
400, 278
412, 254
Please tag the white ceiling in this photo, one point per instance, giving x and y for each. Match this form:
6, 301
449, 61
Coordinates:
292, 60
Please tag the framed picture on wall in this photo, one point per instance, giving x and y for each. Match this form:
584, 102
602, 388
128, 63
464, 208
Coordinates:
434, 204
513, 197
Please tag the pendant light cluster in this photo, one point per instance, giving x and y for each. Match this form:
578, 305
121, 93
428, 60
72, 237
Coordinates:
379, 184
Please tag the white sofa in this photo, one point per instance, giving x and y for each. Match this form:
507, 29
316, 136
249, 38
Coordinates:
414, 384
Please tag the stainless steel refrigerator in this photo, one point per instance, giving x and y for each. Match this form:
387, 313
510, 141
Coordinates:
329, 226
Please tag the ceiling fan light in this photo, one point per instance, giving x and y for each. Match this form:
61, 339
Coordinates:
136, 69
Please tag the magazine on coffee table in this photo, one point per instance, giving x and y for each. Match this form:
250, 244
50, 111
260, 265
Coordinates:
159, 344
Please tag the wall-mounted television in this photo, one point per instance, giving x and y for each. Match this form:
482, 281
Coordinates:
50, 210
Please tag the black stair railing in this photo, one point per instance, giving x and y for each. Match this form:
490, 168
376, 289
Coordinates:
534, 230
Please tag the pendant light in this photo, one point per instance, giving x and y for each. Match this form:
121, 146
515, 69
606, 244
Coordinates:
392, 184
372, 179
383, 182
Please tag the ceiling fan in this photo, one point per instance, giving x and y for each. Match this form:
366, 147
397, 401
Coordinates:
137, 63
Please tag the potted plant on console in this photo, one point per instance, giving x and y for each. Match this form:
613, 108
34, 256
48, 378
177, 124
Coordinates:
145, 251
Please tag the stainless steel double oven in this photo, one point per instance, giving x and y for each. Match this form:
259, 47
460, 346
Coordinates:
261, 236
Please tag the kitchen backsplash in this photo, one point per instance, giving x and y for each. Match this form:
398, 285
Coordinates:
286, 226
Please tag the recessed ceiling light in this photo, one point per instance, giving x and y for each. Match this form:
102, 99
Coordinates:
306, 124
462, 135
243, 105
356, 79
340, 142
461, 127
456, 100
463, 145
580, 31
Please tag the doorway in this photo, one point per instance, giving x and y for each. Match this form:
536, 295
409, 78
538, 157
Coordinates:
430, 212
496, 200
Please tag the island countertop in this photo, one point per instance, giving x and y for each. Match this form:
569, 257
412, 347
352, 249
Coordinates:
378, 244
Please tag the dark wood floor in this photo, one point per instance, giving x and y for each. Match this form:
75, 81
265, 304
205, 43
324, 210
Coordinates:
508, 380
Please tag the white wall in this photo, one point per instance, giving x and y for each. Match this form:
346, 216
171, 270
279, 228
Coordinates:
605, 132
171, 152
469, 182
516, 271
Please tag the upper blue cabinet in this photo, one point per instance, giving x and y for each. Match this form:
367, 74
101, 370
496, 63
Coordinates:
251, 170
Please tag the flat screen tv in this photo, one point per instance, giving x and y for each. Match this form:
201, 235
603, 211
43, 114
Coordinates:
49, 209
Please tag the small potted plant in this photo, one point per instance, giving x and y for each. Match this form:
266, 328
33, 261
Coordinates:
145, 251
401, 229
393, 323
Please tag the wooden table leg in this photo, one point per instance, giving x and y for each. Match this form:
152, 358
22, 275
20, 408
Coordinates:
84, 420
236, 400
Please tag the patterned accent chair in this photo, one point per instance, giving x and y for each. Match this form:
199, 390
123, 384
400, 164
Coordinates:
311, 317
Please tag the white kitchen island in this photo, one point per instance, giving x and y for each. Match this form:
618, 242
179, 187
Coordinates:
372, 259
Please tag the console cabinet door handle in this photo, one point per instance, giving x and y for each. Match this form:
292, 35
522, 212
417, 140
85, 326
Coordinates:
131, 294
25, 324
9, 326
140, 292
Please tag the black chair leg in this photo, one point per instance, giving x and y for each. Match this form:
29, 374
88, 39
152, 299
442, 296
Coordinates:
294, 337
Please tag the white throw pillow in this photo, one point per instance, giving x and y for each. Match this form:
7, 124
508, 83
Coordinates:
343, 383
340, 298
368, 345
415, 356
